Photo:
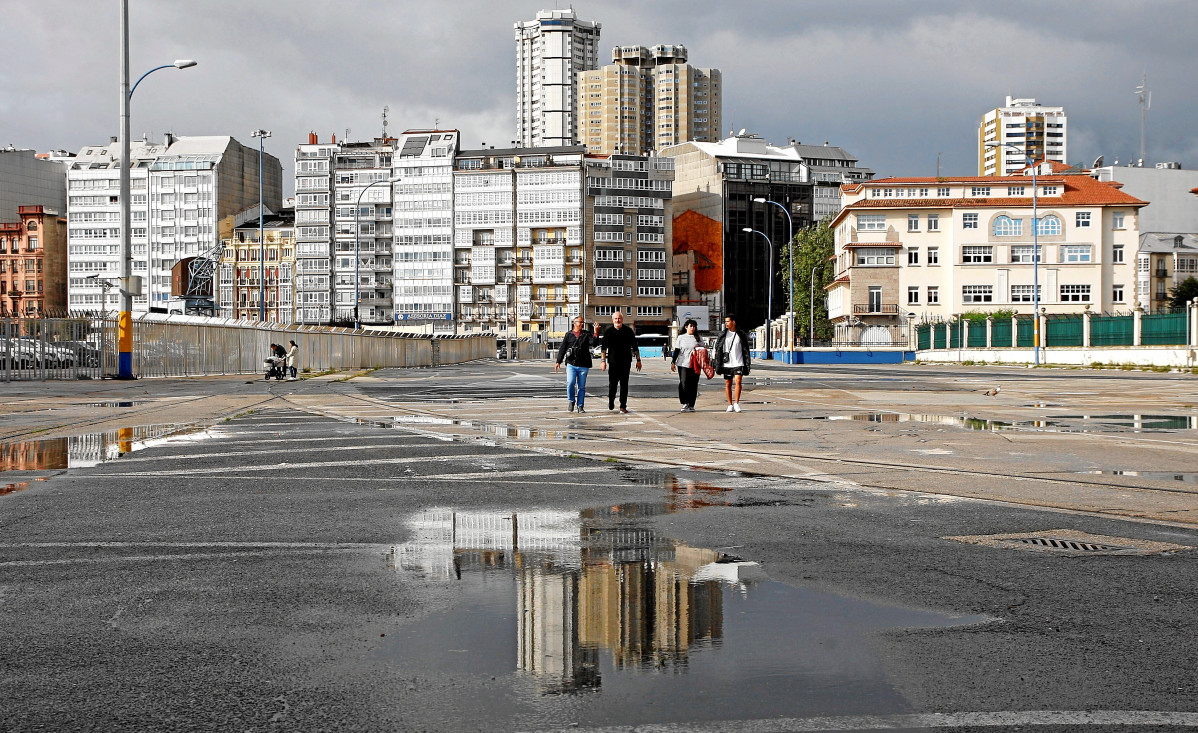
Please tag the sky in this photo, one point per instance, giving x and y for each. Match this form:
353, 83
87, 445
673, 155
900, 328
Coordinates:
897, 83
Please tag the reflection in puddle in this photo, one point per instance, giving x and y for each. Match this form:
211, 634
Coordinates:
13, 488
1058, 423
599, 601
1191, 478
127, 403
88, 449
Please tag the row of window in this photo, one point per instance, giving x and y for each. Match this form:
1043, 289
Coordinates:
1003, 226
1018, 294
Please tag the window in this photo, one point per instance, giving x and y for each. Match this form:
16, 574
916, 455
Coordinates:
1023, 293
1117, 220
977, 254
913, 256
871, 222
933, 255
933, 222
875, 256
1117, 293
1050, 190
1083, 218
1022, 254
1117, 254
913, 222
933, 295
1005, 226
943, 192
979, 191
1015, 191
977, 293
913, 295
969, 221
1075, 293
1048, 225
1075, 253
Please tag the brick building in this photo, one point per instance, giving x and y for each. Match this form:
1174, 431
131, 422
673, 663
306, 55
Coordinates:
33, 267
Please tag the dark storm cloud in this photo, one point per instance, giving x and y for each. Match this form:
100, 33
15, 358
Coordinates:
893, 82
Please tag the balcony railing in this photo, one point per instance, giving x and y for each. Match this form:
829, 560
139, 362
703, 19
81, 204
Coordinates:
875, 308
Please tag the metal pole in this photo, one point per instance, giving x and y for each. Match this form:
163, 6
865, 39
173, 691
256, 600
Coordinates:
769, 291
790, 228
811, 317
1035, 267
125, 319
261, 238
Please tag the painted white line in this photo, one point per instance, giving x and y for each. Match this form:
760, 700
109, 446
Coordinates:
181, 556
313, 464
489, 476
264, 545
912, 721
189, 456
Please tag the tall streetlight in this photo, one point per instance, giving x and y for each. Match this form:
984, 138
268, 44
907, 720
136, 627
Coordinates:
811, 304
790, 252
124, 368
769, 300
261, 135
1035, 249
357, 238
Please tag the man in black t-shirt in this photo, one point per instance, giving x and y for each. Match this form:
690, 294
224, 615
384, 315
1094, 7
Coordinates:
619, 349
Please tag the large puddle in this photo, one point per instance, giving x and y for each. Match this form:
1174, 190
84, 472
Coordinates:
1057, 423
90, 449
595, 617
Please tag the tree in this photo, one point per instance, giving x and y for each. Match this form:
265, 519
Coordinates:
1185, 291
813, 248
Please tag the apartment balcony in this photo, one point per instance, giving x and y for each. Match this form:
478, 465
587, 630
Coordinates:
1161, 272
870, 309
549, 240
523, 260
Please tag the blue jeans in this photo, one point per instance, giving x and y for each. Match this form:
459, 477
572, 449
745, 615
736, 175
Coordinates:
576, 383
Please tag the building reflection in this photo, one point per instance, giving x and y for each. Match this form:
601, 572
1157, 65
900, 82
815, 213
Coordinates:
77, 451
589, 583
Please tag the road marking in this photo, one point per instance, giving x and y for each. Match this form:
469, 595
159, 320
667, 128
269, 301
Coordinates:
489, 475
313, 464
190, 456
912, 721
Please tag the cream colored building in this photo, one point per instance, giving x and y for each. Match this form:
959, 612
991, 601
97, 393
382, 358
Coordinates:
647, 99
245, 259
1027, 126
937, 247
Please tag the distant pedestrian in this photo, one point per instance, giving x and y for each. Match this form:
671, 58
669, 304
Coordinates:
684, 363
732, 358
619, 349
576, 352
293, 359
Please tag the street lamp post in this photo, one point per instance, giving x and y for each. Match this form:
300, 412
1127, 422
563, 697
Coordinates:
261, 135
1035, 249
769, 301
790, 253
357, 238
811, 304
125, 320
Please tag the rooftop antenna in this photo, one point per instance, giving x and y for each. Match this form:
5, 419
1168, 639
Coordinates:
386, 109
347, 135
1145, 97
937, 163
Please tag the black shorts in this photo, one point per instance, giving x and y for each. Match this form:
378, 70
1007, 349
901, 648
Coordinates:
730, 372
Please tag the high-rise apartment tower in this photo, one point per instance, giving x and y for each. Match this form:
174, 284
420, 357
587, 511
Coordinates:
1026, 128
550, 51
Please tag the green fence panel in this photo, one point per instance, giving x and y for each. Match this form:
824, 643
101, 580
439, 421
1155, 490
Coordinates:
1000, 333
924, 335
1063, 331
939, 335
976, 338
954, 335
1027, 332
1163, 329
1112, 330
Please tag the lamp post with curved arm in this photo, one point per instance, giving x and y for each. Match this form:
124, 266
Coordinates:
790, 254
769, 300
125, 319
1035, 249
357, 239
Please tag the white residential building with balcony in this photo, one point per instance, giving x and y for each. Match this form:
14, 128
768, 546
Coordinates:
423, 232
551, 50
313, 231
1029, 127
937, 247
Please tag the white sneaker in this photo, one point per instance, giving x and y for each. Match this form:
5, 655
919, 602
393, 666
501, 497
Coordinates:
736, 407
730, 409
683, 409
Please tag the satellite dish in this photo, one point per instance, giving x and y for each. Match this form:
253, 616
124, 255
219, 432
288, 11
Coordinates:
1098, 162
742, 132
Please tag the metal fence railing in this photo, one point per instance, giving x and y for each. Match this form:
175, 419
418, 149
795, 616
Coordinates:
174, 346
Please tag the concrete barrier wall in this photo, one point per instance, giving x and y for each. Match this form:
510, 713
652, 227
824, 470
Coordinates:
1164, 356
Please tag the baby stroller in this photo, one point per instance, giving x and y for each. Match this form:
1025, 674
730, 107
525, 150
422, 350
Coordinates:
275, 367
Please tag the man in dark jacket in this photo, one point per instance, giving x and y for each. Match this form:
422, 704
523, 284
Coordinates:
619, 348
732, 359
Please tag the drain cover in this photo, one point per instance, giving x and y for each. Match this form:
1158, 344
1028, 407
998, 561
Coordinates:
1072, 542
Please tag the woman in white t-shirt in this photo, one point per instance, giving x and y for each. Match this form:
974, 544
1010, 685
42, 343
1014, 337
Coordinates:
732, 358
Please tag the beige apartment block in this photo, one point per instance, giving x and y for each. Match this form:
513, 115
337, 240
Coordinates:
1024, 127
253, 267
937, 247
648, 98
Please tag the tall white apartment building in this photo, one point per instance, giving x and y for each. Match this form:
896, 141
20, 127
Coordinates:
422, 195
313, 230
937, 247
182, 191
550, 52
362, 213
1026, 125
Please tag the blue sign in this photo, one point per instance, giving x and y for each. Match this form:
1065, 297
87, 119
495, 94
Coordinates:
424, 316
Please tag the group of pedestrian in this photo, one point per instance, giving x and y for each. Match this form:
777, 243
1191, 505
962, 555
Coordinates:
729, 355
285, 359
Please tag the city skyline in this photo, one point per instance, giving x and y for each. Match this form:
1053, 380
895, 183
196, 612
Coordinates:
883, 88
